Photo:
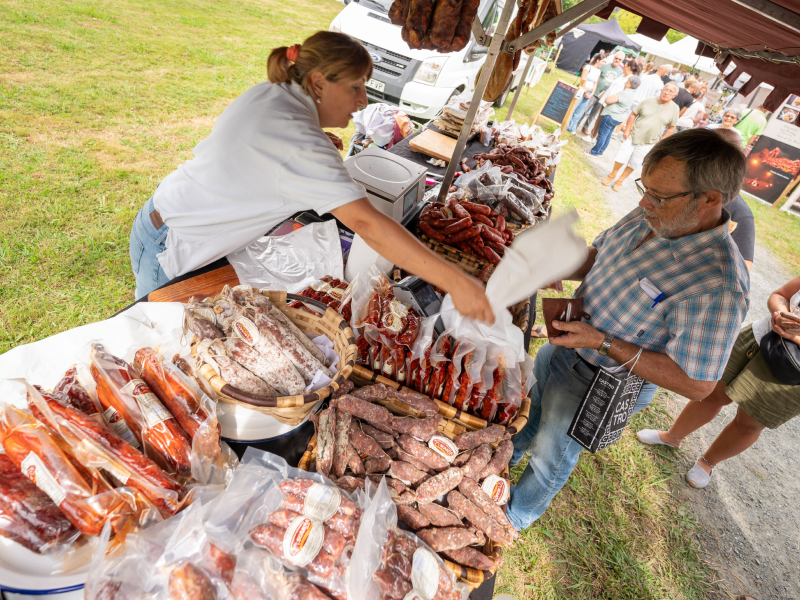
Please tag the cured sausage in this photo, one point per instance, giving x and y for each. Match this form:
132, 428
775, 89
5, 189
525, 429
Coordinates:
385, 440
412, 517
410, 332
271, 537
75, 394
130, 466
187, 582
470, 557
448, 538
500, 223
273, 367
27, 515
410, 459
333, 543
181, 399
444, 22
325, 424
467, 510
294, 330
461, 37
463, 458
440, 484
152, 424
201, 328
377, 465
374, 310
341, 442
224, 563
432, 233
473, 439
299, 488
392, 586
473, 492
421, 452
406, 473
490, 399
459, 225
354, 462
439, 515
478, 461
82, 495
365, 445
371, 393
273, 334
464, 234
503, 454
377, 416
344, 524
422, 429
478, 209
235, 374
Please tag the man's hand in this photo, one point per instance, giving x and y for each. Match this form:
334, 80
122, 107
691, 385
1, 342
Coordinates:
626, 134
579, 335
556, 285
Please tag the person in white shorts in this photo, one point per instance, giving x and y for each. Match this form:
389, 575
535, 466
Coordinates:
645, 126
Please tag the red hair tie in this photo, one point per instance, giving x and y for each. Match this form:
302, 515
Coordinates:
292, 52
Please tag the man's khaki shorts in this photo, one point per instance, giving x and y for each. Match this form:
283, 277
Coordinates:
752, 386
632, 156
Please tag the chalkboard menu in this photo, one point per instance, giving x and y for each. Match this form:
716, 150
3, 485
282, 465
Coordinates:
605, 410
557, 104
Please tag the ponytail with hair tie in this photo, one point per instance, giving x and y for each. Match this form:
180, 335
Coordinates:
292, 52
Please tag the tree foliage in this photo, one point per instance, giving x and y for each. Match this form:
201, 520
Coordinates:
628, 21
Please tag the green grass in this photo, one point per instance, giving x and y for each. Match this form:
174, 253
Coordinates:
100, 100
779, 232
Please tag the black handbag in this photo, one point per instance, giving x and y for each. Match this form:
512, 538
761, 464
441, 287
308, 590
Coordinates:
782, 358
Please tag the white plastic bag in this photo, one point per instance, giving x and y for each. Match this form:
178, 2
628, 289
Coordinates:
293, 261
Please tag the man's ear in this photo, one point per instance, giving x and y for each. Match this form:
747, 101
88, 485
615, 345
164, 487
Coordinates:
713, 199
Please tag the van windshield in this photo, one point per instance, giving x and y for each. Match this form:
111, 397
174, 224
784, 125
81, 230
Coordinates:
378, 5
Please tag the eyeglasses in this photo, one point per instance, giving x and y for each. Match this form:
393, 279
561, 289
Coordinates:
655, 199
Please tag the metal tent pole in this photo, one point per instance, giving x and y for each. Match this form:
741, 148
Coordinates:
480, 88
520, 85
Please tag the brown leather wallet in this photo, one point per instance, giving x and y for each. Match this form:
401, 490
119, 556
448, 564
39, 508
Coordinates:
562, 309
155, 219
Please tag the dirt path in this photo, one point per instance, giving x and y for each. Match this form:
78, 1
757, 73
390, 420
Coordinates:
749, 514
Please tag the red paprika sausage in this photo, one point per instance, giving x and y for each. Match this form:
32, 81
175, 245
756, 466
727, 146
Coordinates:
478, 218
457, 226
479, 209
500, 223
431, 232
491, 255
465, 234
491, 235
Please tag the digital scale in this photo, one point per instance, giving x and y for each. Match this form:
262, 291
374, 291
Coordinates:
394, 184
419, 295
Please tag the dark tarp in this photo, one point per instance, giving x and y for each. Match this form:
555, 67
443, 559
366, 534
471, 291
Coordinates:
726, 24
576, 50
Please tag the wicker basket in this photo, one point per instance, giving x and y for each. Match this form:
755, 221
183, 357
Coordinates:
292, 410
454, 423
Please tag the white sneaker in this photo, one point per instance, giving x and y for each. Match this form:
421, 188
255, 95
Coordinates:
651, 438
697, 477
587, 138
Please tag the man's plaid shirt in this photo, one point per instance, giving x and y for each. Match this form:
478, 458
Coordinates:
705, 284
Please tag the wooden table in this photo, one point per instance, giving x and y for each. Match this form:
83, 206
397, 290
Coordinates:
199, 286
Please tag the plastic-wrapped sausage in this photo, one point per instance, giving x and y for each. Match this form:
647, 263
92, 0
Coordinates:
478, 461
344, 524
421, 452
409, 333
490, 400
300, 488
473, 439
438, 515
448, 538
503, 454
271, 537
467, 510
391, 585
188, 582
412, 517
181, 399
75, 393
333, 543
440, 484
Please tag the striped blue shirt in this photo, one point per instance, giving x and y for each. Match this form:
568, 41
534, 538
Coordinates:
705, 284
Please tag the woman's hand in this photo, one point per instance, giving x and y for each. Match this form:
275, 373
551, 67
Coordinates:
780, 325
337, 141
469, 298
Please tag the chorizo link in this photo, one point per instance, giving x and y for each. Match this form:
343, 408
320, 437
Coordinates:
473, 439
421, 452
464, 234
500, 459
475, 494
448, 538
467, 510
435, 235
75, 393
492, 235
188, 582
440, 484
457, 226
490, 255
480, 209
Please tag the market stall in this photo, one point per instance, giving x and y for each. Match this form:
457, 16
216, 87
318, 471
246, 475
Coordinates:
152, 454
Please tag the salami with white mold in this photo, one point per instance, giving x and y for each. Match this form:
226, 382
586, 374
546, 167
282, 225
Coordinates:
448, 538
481, 499
473, 439
438, 515
422, 453
480, 458
406, 473
502, 455
467, 510
440, 484
412, 517
422, 429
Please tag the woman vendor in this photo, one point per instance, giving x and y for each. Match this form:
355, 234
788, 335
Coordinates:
268, 158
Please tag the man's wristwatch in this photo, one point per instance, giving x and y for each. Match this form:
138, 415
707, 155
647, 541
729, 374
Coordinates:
606, 345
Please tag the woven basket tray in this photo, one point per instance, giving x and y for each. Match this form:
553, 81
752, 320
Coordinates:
292, 410
451, 426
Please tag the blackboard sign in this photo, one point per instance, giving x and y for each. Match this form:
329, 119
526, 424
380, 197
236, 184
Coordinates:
557, 104
605, 410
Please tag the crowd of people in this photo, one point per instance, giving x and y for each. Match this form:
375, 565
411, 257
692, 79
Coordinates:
614, 87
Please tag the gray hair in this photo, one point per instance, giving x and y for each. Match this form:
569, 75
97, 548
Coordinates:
712, 163
734, 111
634, 81
730, 135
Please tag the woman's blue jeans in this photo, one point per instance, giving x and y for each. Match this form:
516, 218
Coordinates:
580, 109
147, 242
562, 379
607, 126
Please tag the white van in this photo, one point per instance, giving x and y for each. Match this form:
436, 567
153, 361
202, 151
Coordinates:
420, 82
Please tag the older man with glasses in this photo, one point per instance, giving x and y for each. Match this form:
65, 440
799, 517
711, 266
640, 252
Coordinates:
651, 120
678, 241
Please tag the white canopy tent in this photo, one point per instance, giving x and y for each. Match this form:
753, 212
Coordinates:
681, 52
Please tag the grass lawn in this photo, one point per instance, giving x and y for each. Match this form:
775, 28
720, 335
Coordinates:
100, 100
779, 232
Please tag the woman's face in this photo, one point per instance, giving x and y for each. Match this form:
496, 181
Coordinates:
728, 120
339, 99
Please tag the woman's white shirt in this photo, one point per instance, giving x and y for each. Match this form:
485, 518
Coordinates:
687, 120
266, 159
592, 75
